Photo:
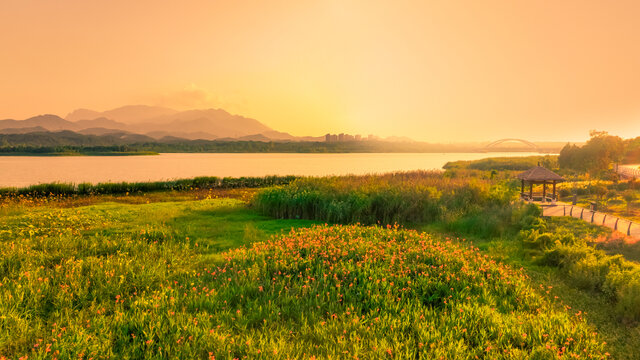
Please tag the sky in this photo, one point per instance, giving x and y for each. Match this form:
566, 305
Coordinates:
437, 71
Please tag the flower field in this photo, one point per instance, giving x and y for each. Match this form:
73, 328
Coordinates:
149, 281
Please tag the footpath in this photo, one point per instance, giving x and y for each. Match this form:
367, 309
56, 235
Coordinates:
625, 226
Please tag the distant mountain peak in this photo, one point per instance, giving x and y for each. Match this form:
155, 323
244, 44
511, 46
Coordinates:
154, 122
125, 114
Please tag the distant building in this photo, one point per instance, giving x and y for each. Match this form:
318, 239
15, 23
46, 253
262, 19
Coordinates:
343, 137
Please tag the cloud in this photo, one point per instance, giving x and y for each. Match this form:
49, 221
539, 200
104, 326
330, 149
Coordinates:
194, 97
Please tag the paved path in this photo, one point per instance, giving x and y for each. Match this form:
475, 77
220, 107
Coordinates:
625, 226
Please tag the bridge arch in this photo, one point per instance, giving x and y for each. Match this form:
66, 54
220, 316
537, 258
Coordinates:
501, 141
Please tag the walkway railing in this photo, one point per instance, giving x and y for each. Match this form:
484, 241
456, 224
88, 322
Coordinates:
623, 225
628, 171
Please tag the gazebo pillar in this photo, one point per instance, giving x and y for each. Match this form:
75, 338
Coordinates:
542, 176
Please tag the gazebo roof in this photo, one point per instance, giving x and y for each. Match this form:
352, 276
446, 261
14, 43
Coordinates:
539, 173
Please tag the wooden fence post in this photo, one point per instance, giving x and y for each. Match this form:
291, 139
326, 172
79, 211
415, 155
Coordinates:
593, 214
604, 219
581, 213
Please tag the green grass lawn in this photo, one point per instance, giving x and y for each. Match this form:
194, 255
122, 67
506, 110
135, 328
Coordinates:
124, 278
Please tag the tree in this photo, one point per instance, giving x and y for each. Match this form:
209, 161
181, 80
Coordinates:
602, 150
595, 156
629, 197
632, 152
600, 191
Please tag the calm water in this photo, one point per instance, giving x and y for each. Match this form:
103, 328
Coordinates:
28, 170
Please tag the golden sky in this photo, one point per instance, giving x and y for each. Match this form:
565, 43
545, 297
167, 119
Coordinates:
440, 71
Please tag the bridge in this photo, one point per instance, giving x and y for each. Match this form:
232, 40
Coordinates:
496, 143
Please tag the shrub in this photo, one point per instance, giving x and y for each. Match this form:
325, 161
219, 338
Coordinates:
588, 268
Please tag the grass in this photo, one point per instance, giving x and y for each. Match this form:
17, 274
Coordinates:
196, 274
504, 163
609, 195
405, 198
614, 322
63, 267
623, 339
565, 245
198, 279
109, 188
82, 153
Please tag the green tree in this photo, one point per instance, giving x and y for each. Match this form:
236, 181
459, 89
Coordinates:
596, 156
629, 197
600, 191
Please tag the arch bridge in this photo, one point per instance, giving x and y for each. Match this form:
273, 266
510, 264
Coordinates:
496, 143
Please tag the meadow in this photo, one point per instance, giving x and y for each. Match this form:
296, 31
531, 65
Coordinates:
216, 274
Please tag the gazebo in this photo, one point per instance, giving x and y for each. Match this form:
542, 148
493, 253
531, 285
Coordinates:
539, 175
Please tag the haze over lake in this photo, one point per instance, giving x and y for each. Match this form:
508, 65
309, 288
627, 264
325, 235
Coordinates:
28, 170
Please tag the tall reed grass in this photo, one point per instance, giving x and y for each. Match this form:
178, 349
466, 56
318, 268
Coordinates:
205, 182
405, 198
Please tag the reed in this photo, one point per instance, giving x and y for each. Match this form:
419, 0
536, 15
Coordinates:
205, 182
404, 198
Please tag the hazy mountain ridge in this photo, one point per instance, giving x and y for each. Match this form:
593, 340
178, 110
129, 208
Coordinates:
126, 114
154, 122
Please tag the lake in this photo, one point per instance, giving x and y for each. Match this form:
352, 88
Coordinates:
28, 170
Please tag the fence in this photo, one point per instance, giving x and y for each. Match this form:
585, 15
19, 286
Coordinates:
595, 217
628, 171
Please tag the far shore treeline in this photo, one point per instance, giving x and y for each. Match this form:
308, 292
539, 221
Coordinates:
70, 143
599, 152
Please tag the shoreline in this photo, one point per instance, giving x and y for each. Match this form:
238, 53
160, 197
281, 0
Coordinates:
52, 154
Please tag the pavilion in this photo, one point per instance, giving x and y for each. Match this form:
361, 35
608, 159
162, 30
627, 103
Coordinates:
539, 175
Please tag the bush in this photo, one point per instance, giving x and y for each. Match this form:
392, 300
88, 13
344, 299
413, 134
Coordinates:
588, 268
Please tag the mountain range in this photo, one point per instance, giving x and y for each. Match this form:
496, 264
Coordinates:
154, 122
